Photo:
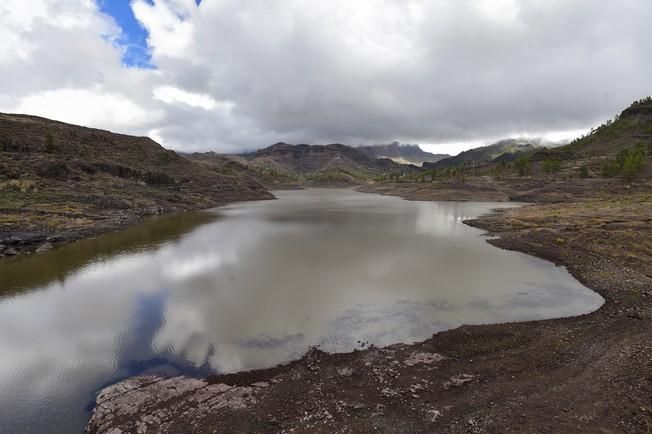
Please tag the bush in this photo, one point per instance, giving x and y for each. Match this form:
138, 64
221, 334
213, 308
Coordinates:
628, 163
584, 172
551, 166
523, 166
610, 169
50, 147
633, 164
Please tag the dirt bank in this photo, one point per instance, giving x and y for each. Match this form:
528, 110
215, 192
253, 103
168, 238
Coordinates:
591, 373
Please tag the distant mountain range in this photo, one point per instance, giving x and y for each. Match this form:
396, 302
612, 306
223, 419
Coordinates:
318, 158
402, 153
283, 165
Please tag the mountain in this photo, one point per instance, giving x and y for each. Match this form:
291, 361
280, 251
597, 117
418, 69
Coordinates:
334, 163
486, 154
56, 176
618, 150
633, 126
402, 154
314, 158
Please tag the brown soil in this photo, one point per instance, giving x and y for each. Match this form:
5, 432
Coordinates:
591, 373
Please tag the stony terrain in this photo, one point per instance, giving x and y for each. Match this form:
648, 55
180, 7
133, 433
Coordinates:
61, 182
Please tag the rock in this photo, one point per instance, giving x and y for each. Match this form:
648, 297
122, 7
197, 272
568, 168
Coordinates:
425, 358
458, 380
432, 415
157, 404
10, 251
345, 372
44, 247
389, 393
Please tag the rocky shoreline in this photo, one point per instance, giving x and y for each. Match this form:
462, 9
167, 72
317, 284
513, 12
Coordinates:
591, 373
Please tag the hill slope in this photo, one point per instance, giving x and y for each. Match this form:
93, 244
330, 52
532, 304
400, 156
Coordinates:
486, 154
321, 163
56, 177
403, 154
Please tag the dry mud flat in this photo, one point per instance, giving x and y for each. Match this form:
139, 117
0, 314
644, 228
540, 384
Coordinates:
590, 374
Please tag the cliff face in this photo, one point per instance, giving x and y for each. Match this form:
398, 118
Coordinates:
61, 179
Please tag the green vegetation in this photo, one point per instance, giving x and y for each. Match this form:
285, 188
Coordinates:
628, 163
523, 166
551, 166
50, 147
642, 101
583, 172
500, 168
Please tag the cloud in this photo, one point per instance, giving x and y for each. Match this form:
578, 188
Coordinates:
88, 107
171, 95
233, 75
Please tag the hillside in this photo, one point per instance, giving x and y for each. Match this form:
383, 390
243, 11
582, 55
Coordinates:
486, 154
619, 149
402, 153
631, 128
334, 163
57, 178
613, 159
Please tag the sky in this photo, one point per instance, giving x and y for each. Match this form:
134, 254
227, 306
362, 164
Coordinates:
235, 75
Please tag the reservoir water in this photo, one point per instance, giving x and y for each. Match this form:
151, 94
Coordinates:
252, 285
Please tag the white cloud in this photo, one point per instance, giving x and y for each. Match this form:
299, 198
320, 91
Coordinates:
169, 25
88, 107
235, 75
171, 95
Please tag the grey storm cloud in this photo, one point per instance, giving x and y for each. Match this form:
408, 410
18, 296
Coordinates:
233, 75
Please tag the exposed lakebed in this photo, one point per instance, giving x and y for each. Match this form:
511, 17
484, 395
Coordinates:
252, 285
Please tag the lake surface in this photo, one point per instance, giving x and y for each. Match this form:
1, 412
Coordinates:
253, 285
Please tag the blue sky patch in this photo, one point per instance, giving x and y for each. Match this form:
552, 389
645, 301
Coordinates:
134, 36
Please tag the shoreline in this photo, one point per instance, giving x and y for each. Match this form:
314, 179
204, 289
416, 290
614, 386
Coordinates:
16, 243
574, 374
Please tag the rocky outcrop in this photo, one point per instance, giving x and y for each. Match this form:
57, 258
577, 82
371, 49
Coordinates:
157, 404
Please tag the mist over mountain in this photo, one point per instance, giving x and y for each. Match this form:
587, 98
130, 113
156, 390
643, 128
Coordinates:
486, 154
402, 153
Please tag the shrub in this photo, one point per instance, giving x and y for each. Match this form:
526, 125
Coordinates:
523, 166
551, 166
583, 172
610, 169
627, 162
50, 147
633, 164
